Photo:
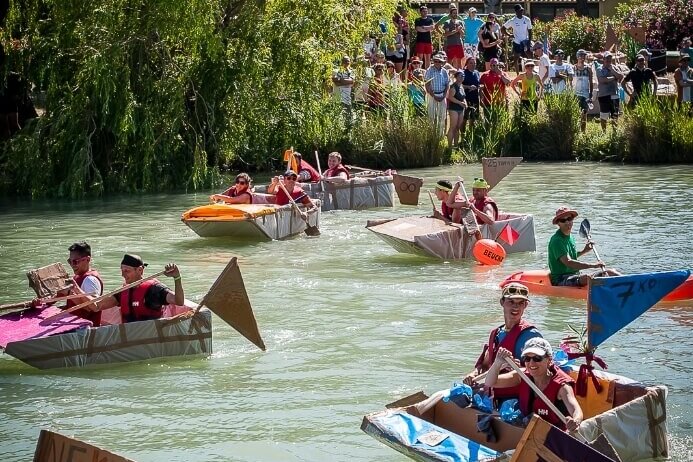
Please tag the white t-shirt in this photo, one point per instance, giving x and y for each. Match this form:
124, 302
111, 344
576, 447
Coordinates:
520, 27
544, 64
343, 92
91, 285
563, 68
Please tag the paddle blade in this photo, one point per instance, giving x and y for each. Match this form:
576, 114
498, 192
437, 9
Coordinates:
585, 229
228, 299
614, 302
312, 230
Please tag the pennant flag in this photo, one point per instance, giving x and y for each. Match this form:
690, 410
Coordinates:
614, 302
497, 168
508, 234
228, 299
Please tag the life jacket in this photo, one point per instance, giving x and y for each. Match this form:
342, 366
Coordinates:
314, 175
231, 192
447, 211
480, 204
530, 403
297, 195
132, 305
332, 172
491, 350
93, 316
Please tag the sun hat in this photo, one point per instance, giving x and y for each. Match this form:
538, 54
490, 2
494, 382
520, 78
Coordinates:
480, 183
515, 290
439, 58
538, 346
563, 212
130, 259
529, 62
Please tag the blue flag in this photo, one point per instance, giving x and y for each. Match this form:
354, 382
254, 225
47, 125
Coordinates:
615, 302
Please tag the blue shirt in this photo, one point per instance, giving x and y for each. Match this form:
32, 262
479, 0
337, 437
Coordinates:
521, 339
471, 29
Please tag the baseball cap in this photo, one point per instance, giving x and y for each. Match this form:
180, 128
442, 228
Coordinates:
581, 52
537, 45
493, 61
538, 346
644, 52
130, 259
559, 52
472, 10
519, 7
515, 290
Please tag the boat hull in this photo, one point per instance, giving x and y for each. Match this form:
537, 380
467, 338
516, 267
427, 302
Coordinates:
539, 282
252, 222
134, 341
430, 237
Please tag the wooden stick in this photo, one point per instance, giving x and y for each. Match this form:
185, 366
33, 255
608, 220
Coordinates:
430, 196
536, 389
45, 300
103, 297
310, 230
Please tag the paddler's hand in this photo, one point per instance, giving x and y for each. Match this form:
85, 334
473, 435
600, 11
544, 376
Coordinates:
304, 216
172, 271
599, 264
588, 246
572, 424
502, 354
469, 378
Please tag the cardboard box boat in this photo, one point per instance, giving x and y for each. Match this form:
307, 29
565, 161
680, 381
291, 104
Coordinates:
630, 416
70, 341
258, 222
431, 237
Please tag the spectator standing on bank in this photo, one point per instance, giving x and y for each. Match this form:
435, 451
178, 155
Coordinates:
437, 82
640, 77
493, 86
343, 81
683, 80
490, 41
471, 83
584, 87
544, 63
472, 25
456, 107
424, 46
686, 47
607, 79
531, 89
453, 30
521, 26
560, 73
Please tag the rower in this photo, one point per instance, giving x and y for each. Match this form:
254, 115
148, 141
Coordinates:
563, 256
448, 212
148, 299
86, 280
239, 193
485, 209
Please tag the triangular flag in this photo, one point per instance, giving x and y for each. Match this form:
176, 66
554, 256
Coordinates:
508, 234
290, 159
614, 302
229, 300
497, 168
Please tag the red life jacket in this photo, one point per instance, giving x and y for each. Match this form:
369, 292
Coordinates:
297, 195
529, 402
314, 175
132, 305
488, 355
93, 316
480, 204
332, 172
231, 192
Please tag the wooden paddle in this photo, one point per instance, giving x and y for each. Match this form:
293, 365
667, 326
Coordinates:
29, 303
585, 233
103, 297
310, 230
469, 219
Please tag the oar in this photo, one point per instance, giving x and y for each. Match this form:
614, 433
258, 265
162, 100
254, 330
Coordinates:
310, 230
29, 303
322, 183
585, 233
103, 297
430, 196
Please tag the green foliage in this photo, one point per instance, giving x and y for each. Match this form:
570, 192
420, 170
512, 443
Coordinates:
572, 32
666, 21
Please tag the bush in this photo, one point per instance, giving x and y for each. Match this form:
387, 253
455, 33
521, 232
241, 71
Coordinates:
666, 21
572, 32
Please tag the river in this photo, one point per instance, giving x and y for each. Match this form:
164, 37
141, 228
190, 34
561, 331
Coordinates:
349, 324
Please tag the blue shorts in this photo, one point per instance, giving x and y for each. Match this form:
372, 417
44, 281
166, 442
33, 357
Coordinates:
572, 280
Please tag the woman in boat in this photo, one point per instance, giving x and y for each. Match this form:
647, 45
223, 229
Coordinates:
555, 384
239, 193
335, 170
511, 335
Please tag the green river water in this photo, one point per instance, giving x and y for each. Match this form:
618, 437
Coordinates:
350, 324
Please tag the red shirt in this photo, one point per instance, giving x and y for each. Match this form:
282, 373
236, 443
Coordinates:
297, 195
493, 91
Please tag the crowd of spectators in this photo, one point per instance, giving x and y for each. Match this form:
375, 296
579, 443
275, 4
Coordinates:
440, 72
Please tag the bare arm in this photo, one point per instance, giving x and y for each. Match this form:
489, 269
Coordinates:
486, 215
242, 199
495, 379
574, 416
177, 298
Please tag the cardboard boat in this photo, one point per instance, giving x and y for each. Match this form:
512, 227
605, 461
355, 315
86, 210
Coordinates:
539, 282
54, 447
626, 417
258, 222
182, 331
434, 238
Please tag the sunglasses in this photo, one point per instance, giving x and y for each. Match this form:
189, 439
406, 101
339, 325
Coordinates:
74, 261
241, 182
565, 220
534, 359
514, 290
291, 177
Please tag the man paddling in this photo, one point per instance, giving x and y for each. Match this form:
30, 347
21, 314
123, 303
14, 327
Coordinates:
563, 255
511, 335
146, 300
86, 280
448, 212
484, 208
